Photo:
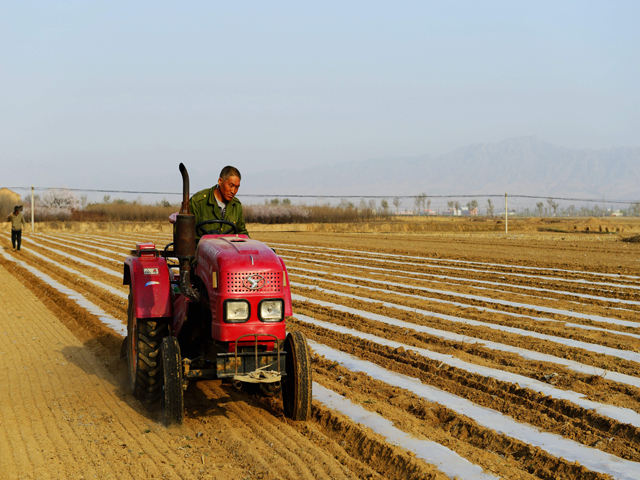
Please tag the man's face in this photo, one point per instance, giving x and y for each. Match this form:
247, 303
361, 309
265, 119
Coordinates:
229, 187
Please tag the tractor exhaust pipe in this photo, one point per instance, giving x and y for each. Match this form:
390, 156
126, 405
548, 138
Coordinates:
185, 209
184, 238
184, 235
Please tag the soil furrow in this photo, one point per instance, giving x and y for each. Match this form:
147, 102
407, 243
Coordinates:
527, 342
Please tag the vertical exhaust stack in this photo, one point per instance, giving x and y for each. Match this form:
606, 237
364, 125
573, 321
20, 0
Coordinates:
184, 238
184, 235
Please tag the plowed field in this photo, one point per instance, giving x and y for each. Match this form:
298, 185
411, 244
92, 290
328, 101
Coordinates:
434, 356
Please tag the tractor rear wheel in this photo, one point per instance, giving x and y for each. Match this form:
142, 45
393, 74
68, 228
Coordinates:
296, 385
172, 391
143, 354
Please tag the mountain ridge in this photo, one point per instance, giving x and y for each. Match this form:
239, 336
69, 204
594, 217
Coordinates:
521, 165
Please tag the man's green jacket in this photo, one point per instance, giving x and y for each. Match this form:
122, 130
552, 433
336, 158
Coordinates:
204, 206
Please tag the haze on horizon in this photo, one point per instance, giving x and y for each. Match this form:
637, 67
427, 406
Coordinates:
115, 94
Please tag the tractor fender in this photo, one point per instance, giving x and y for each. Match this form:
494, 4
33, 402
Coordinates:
150, 285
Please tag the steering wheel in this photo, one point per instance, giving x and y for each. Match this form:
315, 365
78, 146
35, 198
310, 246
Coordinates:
200, 230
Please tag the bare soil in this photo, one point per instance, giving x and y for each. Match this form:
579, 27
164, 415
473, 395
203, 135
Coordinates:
67, 413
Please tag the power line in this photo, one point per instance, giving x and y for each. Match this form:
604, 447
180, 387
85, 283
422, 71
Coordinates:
93, 190
262, 195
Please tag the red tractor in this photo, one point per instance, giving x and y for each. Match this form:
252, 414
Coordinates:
212, 308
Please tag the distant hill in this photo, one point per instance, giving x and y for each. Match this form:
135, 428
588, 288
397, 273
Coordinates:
523, 165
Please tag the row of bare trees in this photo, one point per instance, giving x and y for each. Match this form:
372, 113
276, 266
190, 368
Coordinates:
65, 205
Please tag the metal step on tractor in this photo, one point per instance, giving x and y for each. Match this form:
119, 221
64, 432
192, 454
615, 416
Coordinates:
213, 308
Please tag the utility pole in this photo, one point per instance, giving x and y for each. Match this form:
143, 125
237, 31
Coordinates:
506, 214
33, 228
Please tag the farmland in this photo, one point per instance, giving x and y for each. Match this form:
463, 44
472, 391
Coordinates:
436, 355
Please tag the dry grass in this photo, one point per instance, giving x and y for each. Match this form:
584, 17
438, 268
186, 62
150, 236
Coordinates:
8, 200
119, 211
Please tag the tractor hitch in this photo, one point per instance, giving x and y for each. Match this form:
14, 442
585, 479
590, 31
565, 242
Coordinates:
241, 366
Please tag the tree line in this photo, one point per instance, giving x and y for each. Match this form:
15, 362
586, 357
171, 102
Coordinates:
65, 205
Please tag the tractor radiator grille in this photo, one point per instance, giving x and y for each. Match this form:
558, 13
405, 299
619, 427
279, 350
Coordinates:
254, 282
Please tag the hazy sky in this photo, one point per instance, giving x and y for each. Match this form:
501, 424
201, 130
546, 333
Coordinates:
114, 94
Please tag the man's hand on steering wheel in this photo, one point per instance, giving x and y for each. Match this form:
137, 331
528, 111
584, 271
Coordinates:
200, 230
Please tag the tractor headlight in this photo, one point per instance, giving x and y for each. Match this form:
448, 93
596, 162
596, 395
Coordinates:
271, 310
236, 311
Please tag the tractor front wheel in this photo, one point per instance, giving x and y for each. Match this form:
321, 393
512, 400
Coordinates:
142, 351
172, 392
296, 384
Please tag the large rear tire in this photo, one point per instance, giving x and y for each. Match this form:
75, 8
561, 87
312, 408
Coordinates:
172, 391
143, 354
296, 385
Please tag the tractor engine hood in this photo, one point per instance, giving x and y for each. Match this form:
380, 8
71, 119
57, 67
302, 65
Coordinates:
243, 266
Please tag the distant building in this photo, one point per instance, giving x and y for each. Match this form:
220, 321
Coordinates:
469, 212
420, 212
406, 212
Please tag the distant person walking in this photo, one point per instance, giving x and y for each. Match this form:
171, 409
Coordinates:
17, 221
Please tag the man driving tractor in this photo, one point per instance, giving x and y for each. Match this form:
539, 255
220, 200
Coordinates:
221, 315
219, 202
